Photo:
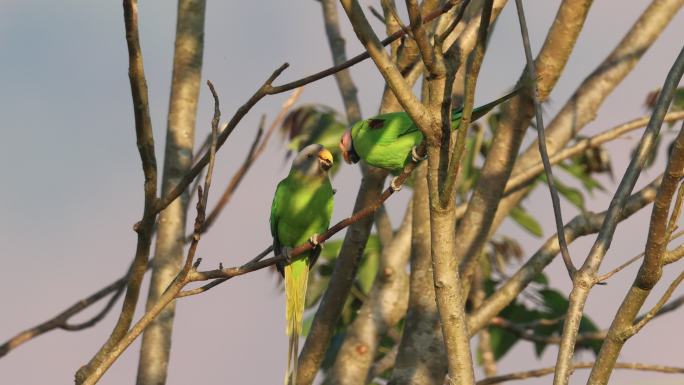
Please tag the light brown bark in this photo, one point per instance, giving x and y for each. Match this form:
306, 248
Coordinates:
180, 135
421, 359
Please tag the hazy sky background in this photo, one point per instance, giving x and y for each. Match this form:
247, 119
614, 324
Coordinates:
73, 184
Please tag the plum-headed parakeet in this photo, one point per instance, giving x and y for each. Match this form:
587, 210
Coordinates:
389, 140
301, 209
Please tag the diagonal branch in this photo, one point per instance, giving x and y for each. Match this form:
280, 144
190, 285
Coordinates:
586, 275
655, 253
60, 321
384, 307
252, 155
578, 365
583, 224
97, 370
583, 105
144, 228
388, 69
541, 138
482, 215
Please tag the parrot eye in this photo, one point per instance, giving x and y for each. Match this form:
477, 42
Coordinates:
309, 156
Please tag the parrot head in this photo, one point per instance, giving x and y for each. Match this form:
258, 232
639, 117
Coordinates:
347, 147
313, 160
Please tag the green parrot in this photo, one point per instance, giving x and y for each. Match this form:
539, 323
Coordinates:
389, 140
301, 209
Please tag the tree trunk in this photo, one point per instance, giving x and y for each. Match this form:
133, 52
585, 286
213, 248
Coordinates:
187, 65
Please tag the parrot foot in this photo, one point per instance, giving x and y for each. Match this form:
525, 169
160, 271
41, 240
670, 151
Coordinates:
394, 185
287, 253
414, 155
314, 240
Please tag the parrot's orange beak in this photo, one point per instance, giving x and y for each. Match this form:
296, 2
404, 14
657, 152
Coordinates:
326, 159
347, 146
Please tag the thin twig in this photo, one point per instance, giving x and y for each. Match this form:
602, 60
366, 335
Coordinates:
521, 179
578, 365
541, 139
609, 274
378, 15
144, 228
586, 276
583, 224
60, 321
252, 155
472, 72
267, 88
98, 369
656, 309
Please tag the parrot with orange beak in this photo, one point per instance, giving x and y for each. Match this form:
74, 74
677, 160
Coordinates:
301, 209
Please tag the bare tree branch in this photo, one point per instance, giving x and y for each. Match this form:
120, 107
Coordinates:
583, 224
480, 217
384, 307
658, 307
252, 155
336, 42
98, 370
484, 343
523, 178
586, 275
541, 139
651, 270
187, 69
60, 321
578, 365
584, 104
421, 358
145, 142
472, 73
388, 69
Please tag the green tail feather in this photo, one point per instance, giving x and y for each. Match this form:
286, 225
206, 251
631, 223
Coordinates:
478, 112
296, 277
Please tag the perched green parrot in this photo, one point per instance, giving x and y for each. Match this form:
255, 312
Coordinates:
301, 209
389, 140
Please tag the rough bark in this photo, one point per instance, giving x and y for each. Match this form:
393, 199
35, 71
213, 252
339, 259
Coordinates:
384, 307
329, 310
421, 359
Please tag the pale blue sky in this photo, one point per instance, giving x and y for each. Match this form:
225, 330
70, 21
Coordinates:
73, 185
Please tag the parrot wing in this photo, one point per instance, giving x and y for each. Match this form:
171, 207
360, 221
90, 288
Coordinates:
387, 128
276, 207
478, 112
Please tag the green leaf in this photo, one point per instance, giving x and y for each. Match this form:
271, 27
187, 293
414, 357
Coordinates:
315, 288
331, 249
367, 270
588, 326
526, 221
541, 279
555, 302
578, 171
306, 325
572, 194
502, 340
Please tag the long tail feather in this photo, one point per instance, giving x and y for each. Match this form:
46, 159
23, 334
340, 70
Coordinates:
481, 111
296, 277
